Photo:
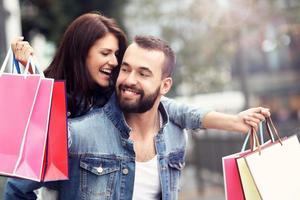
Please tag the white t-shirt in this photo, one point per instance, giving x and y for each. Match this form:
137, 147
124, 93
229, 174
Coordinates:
147, 183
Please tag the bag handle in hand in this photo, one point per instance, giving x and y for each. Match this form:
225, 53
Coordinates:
254, 141
34, 67
30, 61
270, 125
261, 135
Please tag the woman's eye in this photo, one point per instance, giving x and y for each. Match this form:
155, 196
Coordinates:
105, 53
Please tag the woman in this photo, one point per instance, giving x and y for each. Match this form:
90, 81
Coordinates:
87, 59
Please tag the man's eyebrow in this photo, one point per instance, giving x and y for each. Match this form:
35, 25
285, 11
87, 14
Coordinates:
125, 63
145, 69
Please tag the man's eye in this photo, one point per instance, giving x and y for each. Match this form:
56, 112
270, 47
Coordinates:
144, 74
124, 69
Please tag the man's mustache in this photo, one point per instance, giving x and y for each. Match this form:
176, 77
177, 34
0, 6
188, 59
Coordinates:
131, 88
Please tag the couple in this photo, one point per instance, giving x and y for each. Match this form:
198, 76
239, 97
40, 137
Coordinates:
126, 148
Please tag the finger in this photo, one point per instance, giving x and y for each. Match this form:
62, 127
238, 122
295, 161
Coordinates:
20, 44
259, 116
252, 118
266, 112
256, 109
15, 42
252, 124
27, 49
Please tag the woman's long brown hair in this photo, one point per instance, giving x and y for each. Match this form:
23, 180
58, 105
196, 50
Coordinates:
69, 62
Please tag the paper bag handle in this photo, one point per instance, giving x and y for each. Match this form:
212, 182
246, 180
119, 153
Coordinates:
270, 125
30, 61
254, 141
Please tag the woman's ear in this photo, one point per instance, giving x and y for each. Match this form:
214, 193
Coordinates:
166, 85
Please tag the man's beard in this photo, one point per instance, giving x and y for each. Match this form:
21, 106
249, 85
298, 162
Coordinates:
141, 105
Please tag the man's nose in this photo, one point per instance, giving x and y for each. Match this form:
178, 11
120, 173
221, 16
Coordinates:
131, 78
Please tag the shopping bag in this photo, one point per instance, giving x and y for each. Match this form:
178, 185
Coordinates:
53, 143
42, 136
31, 158
56, 164
232, 182
17, 98
273, 171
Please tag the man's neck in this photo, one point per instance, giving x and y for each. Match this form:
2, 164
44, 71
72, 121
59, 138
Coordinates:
144, 125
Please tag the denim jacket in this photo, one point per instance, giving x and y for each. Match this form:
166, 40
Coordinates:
102, 158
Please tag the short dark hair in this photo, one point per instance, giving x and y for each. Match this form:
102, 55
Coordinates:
154, 43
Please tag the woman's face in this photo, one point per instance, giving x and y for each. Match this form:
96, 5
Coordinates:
101, 59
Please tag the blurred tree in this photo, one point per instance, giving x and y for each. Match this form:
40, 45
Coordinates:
51, 17
214, 39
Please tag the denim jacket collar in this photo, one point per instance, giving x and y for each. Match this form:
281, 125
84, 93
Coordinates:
164, 115
116, 115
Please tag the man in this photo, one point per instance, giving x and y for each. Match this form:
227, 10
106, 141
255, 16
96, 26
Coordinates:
129, 149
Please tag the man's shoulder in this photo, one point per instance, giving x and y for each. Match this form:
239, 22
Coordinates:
89, 117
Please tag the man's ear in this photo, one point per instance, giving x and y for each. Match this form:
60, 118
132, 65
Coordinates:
166, 85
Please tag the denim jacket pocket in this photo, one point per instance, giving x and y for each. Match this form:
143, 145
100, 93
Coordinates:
176, 164
98, 176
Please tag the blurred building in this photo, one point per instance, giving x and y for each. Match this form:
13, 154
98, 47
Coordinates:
10, 24
268, 61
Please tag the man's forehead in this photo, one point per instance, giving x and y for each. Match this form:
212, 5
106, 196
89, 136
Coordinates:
134, 50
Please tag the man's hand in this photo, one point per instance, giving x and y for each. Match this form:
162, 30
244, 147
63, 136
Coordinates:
253, 116
241, 122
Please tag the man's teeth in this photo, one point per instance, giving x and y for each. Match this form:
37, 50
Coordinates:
130, 91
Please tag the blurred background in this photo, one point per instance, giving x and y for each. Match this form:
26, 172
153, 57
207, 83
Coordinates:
231, 55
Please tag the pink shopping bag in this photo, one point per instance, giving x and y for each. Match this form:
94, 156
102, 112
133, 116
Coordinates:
17, 98
31, 158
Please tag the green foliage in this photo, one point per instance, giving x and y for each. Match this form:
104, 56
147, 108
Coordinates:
51, 17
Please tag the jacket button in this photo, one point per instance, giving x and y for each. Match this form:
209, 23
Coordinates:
100, 170
125, 171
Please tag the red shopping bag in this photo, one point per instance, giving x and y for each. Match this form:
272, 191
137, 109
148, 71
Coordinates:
56, 164
232, 182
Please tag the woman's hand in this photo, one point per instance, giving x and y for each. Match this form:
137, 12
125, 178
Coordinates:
21, 49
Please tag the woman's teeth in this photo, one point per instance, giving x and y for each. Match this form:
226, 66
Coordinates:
106, 71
